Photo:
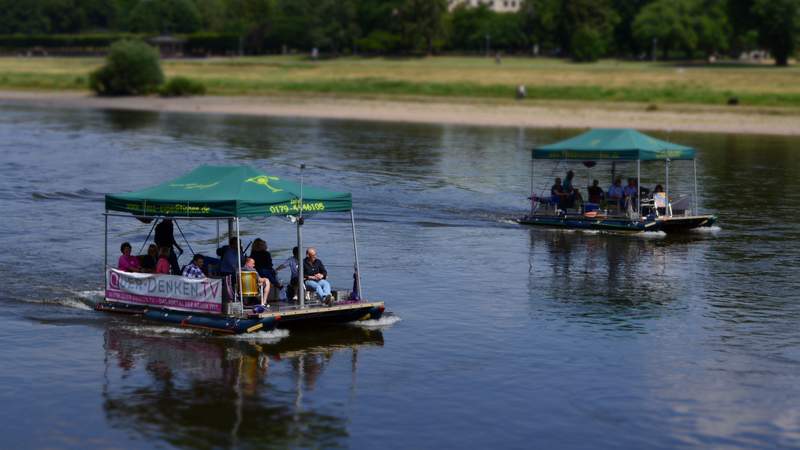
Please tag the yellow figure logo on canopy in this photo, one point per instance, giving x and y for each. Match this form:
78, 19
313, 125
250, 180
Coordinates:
264, 181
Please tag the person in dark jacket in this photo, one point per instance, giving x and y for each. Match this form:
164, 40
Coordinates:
315, 275
263, 259
165, 237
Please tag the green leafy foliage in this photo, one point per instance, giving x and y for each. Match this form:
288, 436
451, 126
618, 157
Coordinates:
132, 68
778, 27
582, 29
181, 87
587, 45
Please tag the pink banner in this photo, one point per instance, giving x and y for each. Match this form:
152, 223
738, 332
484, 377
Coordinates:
167, 291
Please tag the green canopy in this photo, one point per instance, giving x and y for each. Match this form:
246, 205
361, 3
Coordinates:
613, 144
227, 191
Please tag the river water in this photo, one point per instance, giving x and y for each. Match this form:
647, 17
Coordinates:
497, 335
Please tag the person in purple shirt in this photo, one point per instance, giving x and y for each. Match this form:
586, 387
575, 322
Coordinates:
127, 262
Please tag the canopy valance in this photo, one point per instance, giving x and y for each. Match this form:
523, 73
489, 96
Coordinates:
613, 144
227, 191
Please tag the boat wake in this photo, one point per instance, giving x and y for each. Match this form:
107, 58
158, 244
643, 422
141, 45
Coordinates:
650, 234
261, 337
714, 229
67, 302
385, 321
155, 330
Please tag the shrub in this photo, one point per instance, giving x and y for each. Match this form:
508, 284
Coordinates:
181, 86
587, 45
132, 68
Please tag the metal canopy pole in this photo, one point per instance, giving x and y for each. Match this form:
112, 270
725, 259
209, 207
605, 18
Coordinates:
668, 208
532, 184
105, 254
301, 285
355, 250
184, 237
217, 233
639, 187
696, 211
239, 261
148, 235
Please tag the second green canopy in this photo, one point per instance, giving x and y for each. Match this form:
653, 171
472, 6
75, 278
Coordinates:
227, 191
613, 144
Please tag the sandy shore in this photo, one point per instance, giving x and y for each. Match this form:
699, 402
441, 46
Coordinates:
522, 114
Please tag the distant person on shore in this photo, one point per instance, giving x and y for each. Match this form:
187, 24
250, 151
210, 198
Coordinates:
163, 266
127, 262
195, 268
316, 275
165, 237
596, 194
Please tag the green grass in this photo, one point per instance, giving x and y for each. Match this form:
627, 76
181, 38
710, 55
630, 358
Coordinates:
448, 78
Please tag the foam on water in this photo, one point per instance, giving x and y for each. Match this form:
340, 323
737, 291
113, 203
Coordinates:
714, 229
92, 296
163, 330
268, 337
651, 234
385, 321
65, 302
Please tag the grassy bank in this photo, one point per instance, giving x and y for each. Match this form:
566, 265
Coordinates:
448, 77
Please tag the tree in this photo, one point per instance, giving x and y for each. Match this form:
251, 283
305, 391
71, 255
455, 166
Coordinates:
778, 27
423, 22
131, 68
595, 17
688, 25
164, 16
337, 28
669, 23
539, 21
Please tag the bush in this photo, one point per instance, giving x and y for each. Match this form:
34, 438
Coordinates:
181, 86
132, 68
587, 45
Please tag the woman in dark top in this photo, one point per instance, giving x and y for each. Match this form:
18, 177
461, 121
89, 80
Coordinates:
263, 260
149, 261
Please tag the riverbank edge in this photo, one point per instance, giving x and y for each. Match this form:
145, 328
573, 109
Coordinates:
524, 114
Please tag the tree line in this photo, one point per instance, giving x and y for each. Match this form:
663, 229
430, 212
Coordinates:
583, 30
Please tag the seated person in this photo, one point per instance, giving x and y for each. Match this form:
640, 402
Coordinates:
316, 276
195, 268
615, 192
149, 260
294, 267
263, 259
127, 263
163, 265
557, 194
250, 266
596, 194
573, 194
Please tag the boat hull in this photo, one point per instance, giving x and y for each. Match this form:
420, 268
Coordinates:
673, 224
287, 317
